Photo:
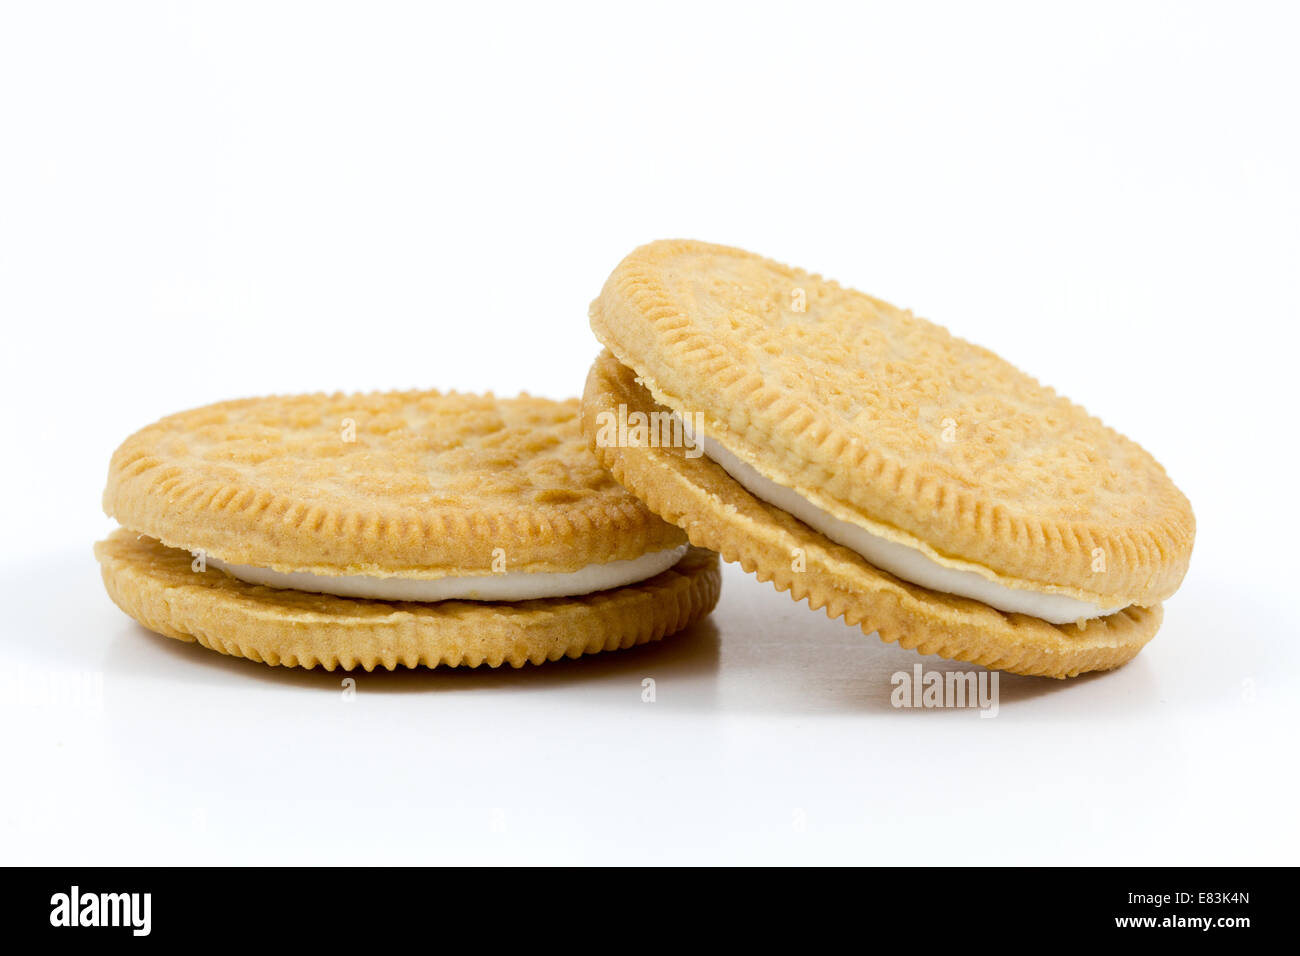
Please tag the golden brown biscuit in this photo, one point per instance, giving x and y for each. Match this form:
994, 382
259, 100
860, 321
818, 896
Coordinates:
403, 527
850, 402
404, 484
157, 586
922, 453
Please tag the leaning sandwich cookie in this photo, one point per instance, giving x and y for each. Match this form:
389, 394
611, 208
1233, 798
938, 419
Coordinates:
387, 529
870, 462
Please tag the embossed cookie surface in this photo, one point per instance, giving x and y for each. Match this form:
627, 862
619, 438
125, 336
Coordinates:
889, 422
406, 484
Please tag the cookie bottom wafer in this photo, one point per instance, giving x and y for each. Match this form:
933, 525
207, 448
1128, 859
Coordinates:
157, 586
719, 514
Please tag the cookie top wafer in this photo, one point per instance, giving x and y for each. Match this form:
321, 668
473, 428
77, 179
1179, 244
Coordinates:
414, 484
887, 421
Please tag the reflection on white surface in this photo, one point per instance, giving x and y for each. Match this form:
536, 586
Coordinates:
771, 737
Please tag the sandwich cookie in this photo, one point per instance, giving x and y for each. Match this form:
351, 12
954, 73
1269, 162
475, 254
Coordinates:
875, 465
401, 528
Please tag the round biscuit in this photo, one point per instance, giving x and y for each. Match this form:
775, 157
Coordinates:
416, 484
889, 422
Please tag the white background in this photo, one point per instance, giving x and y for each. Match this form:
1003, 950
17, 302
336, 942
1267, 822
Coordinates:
199, 202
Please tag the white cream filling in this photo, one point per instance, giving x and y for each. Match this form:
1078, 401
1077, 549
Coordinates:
506, 586
904, 562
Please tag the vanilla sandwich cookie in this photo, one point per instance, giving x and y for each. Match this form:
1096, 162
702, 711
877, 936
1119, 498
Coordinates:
870, 462
403, 528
